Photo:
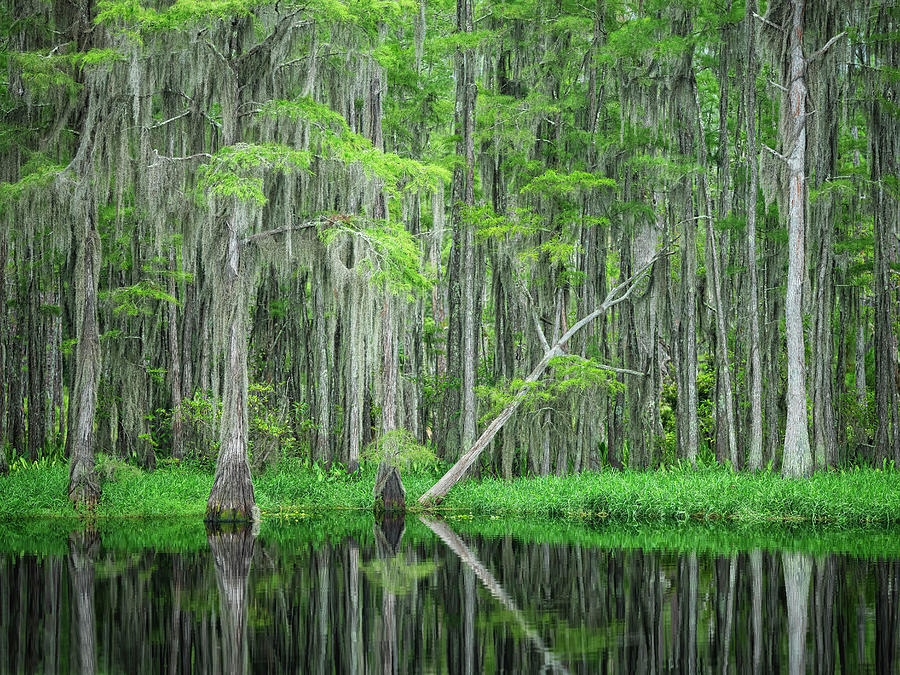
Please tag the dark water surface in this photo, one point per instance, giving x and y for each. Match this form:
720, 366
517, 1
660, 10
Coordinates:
432, 597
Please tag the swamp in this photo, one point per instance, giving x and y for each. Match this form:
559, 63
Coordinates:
450, 336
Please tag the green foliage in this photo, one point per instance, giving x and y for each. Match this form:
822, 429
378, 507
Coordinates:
395, 257
552, 182
399, 174
140, 298
237, 171
400, 449
38, 178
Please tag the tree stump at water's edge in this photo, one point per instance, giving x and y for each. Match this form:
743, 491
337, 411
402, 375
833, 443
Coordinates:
389, 493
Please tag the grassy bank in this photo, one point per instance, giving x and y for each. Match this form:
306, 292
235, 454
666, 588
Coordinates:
858, 497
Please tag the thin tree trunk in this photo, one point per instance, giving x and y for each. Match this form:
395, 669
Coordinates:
4, 336
175, 360
754, 450
797, 459
712, 261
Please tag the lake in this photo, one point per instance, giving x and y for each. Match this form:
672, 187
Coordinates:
342, 594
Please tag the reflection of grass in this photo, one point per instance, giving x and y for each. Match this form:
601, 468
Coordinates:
294, 490
184, 535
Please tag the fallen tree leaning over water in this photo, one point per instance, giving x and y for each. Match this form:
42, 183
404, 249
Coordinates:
618, 294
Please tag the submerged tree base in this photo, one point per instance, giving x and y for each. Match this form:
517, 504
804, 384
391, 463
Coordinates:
232, 497
85, 490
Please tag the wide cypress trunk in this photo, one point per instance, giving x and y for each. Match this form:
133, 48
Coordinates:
232, 497
84, 485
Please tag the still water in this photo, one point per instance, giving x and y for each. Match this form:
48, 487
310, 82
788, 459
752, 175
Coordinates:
426, 596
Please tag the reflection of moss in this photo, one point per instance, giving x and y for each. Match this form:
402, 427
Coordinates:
396, 575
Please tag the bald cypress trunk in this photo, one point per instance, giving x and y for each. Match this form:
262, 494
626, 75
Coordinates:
755, 442
884, 159
84, 485
462, 343
4, 336
231, 497
175, 361
683, 106
797, 455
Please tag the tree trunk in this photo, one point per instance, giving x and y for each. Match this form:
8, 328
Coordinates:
754, 450
175, 361
84, 485
797, 455
712, 263
232, 497
4, 336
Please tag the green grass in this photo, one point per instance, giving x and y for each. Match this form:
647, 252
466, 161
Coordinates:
857, 497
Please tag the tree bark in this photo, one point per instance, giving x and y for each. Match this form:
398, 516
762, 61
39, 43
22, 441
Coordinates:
232, 497
84, 485
175, 361
754, 450
797, 459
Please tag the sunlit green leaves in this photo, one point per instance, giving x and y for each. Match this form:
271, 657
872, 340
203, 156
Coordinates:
552, 182
238, 170
394, 256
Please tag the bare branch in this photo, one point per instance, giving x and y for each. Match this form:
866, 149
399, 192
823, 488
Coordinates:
252, 239
769, 23
618, 294
171, 119
162, 159
828, 45
775, 84
777, 154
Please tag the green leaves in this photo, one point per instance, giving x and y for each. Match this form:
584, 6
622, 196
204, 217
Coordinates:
552, 182
394, 256
399, 174
237, 171
39, 178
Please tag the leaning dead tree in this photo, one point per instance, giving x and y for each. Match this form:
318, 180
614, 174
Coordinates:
617, 295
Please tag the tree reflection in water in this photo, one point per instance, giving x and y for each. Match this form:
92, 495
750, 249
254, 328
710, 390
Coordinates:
403, 597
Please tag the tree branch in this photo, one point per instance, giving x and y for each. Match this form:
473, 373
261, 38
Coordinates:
769, 23
828, 45
252, 239
171, 119
777, 154
162, 159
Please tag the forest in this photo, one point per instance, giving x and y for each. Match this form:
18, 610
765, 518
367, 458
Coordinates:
529, 237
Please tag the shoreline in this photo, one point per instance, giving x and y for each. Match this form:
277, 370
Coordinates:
859, 497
